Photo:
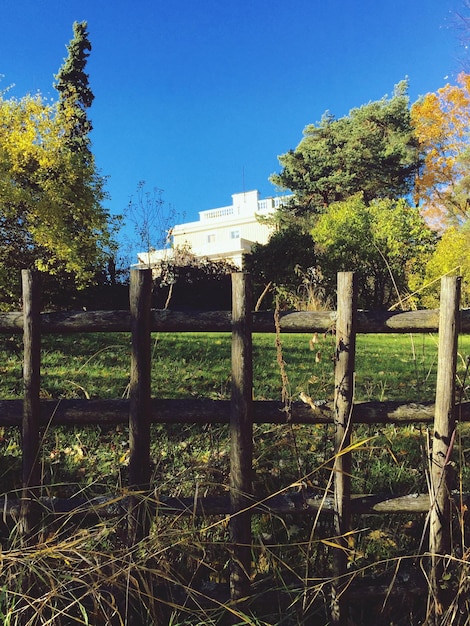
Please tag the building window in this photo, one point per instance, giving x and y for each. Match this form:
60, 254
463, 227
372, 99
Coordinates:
211, 238
235, 234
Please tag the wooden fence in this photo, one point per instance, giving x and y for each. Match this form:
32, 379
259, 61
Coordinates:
241, 412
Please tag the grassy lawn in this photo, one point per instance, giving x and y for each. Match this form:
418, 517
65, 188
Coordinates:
393, 367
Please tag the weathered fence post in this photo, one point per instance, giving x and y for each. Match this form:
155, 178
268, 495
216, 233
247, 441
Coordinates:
344, 396
139, 411
241, 436
443, 438
29, 514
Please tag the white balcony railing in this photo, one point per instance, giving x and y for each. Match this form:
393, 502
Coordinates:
212, 214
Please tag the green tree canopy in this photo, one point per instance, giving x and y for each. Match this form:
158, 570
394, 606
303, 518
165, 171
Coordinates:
452, 256
372, 150
385, 242
283, 262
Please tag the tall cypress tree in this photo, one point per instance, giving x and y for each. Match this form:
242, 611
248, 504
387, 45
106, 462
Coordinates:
73, 87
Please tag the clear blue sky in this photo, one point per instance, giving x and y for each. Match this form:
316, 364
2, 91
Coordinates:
199, 97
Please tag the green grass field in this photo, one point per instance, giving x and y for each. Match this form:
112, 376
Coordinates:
198, 365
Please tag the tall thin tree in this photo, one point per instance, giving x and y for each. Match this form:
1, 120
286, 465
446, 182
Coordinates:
74, 89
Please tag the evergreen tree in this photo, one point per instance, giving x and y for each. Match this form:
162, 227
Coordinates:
73, 87
371, 151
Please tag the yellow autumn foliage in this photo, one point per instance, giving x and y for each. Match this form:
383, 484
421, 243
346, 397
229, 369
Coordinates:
48, 190
442, 125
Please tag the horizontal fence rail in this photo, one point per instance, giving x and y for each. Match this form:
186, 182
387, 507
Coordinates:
307, 502
205, 411
220, 321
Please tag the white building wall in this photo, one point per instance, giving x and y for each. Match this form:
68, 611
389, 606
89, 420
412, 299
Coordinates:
225, 232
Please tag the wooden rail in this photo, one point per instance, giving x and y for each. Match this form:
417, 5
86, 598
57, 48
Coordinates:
241, 412
221, 321
205, 411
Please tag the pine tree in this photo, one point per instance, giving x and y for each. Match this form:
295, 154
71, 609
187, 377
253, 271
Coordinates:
372, 150
73, 87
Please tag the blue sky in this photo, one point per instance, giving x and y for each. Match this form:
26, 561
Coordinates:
199, 97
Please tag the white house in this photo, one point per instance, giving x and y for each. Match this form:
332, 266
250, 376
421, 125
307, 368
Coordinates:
225, 233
